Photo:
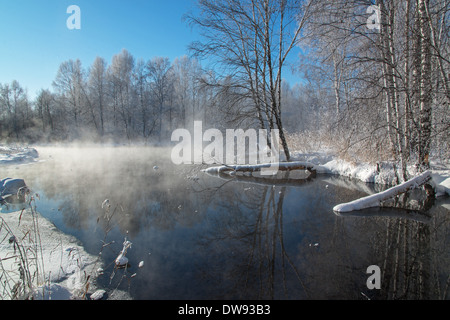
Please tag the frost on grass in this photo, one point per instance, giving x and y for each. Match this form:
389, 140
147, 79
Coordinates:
41, 262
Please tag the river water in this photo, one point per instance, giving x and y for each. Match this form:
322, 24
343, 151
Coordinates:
209, 237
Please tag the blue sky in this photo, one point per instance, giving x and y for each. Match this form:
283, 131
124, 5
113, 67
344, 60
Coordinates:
35, 40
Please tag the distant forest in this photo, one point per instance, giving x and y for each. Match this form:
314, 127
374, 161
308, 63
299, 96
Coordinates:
376, 82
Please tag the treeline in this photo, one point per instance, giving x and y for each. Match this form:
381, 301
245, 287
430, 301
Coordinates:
123, 100
132, 100
376, 82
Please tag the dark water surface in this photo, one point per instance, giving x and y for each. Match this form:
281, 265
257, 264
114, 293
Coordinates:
204, 237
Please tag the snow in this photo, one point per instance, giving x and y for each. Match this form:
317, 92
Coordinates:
260, 167
364, 172
121, 259
375, 199
17, 155
62, 264
97, 295
441, 182
382, 173
12, 188
325, 163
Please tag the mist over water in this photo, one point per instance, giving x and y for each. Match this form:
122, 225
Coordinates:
209, 237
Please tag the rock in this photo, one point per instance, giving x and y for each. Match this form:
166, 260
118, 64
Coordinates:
11, 186
13, 190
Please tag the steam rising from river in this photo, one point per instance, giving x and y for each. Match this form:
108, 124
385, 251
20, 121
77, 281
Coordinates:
136, 179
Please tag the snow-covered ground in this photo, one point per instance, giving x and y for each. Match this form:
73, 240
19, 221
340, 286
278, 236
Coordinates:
382, 173
59, 267
17, 155
57, 263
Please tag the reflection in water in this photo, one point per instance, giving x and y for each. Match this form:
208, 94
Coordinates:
251, 244
204, 237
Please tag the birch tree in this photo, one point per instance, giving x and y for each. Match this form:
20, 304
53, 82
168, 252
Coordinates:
251, 41
120, 85
98, 91
396, 68
159, 69
45, 103
69, 84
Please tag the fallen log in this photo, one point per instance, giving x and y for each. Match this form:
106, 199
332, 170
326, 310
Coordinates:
276, 166
265, 181
375, 199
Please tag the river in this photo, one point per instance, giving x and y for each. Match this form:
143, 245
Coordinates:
196, 236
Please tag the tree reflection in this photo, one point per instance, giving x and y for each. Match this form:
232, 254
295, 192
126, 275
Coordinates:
250, 256
245, 245
414, 257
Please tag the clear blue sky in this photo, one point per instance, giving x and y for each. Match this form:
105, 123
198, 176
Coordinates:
35, 40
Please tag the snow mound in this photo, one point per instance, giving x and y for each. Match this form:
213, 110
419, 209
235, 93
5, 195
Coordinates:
363, 172
17, 155
441, 182
370, 173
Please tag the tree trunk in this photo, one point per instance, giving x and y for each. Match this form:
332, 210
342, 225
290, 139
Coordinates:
425, 98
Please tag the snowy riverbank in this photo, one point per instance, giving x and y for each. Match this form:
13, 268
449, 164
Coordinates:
382, 173
37, 260
53, 264
17, 155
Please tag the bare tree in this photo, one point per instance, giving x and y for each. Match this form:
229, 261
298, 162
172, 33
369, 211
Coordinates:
187, 73
396, 70
251, 40
159, 69
15, 108
98, 90
45, 103
69, 83
120, 83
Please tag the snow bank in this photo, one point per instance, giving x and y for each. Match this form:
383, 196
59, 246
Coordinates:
375, 199
441, 182
62, 265
17, 155
364, 172
326, 163
383, 173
